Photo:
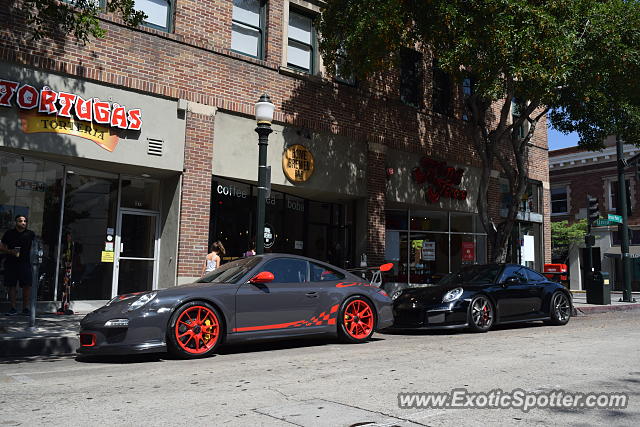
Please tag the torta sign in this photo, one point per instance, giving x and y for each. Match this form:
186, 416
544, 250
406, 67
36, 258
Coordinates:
441, 180
48, 111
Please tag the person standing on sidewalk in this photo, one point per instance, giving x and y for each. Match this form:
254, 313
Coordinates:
17, 265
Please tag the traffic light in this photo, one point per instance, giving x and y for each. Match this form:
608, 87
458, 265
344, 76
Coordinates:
593, 212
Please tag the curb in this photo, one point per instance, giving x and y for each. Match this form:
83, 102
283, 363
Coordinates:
606, 308
39, 346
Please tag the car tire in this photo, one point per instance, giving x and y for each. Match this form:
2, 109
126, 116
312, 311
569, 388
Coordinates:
481, 315
356, 320
195, 330
559, 309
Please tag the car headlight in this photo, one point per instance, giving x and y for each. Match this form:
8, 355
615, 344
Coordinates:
142, 301
452, 295
396, 294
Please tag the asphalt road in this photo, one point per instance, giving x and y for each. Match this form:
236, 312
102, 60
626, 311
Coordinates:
322, 382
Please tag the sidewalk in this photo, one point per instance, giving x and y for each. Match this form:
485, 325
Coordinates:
52, 335
58, 335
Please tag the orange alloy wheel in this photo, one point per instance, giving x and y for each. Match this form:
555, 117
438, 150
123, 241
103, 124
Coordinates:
197, 330
358, 319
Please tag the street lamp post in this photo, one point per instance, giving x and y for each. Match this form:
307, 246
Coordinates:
624, 226
264, 116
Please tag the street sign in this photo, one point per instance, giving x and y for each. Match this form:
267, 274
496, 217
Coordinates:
602, 222
615, 218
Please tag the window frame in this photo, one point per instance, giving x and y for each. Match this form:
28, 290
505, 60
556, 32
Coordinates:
613, 187
261, 30
416, 88
313, 47
169, 28
516, 104
566, 199
351, 80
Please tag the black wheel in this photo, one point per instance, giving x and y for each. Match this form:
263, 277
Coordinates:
356, 320
195, 330
481, 314
559, 309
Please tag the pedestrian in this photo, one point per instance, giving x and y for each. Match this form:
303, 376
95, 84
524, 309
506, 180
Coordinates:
251, 251
16, 243
212, 261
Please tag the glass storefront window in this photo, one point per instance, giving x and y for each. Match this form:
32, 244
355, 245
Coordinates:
429, 221
230, 220
139, 193
396, 220
294, 217
90, 208
421, 257
462, 222
33, 188
428, 257
319, 230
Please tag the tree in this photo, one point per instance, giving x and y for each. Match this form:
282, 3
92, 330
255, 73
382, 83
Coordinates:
564, 236
576, 57
48, 18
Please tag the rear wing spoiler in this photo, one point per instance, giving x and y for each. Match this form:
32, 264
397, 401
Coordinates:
375, 273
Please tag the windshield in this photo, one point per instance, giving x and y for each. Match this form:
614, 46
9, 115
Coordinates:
232, 271
481, 274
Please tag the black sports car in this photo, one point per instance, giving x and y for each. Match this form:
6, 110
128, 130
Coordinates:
480, 296
266, 296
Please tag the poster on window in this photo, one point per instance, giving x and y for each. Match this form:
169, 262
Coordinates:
468, 251
428, 251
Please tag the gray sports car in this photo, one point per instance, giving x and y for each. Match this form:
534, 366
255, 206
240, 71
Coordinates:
261, 297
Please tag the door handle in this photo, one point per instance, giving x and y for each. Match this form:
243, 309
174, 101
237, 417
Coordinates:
312, 294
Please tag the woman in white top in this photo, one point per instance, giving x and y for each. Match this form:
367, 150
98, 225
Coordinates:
212, 261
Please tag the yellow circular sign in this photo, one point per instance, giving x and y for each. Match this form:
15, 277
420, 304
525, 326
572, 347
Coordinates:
297, 163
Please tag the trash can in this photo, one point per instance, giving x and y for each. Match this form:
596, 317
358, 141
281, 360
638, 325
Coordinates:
598, 289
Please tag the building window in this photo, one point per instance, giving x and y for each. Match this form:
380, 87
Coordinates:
613, 197
158, 13
247, 28
441, 91
517, 108
559, 200
302, 42
467, 91
410, 77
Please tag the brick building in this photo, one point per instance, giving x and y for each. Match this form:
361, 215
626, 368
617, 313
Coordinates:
576, 173
133, 153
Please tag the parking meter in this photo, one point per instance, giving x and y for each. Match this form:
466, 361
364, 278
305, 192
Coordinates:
35, 259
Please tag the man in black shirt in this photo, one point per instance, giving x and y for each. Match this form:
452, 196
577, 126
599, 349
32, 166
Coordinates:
16, 243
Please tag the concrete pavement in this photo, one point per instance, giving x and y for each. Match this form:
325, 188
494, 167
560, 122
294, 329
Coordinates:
58, 334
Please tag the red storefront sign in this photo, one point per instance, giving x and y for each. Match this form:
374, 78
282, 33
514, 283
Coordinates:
468, 251
440, 178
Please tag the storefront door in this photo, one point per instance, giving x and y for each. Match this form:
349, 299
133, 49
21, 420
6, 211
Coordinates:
136, 251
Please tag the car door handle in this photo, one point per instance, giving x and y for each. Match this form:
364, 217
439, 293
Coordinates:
312, 294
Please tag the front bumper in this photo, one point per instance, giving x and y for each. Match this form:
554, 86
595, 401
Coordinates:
146, 332
437, 316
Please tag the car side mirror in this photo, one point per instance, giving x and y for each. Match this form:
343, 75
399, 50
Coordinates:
262, 277
511, 281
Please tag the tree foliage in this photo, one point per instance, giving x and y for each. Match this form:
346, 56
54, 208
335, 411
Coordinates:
48, 18
579, 58
564, 236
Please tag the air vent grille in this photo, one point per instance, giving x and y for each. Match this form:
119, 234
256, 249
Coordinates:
154, 147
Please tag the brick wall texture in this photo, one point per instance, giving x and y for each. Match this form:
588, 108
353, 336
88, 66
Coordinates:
194, 62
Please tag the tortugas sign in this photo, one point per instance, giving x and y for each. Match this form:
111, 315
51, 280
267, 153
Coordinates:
297, 163
440, 178
48, 111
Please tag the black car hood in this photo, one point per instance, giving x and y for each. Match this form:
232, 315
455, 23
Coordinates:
434, 294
